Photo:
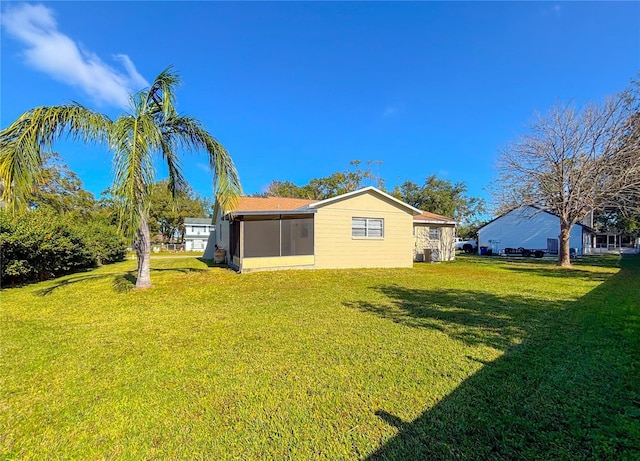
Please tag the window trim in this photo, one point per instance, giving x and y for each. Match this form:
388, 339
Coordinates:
367, 228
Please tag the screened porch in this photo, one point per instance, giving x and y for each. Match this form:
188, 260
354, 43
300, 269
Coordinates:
270, 240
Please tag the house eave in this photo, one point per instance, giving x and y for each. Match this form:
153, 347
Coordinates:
434, 221
238, 213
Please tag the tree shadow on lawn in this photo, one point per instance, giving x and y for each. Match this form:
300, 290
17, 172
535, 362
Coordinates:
122, 282
474, 317
569, 391
562, 272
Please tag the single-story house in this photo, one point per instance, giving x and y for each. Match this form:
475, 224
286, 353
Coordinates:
364, 228
196, 233
531, 228
434, 237
610, 240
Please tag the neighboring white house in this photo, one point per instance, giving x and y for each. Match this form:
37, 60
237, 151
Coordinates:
196, 233
533, 229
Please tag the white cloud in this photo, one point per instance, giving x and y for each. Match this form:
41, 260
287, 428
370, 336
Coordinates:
57, 55
393, 110
389, 111
203, 167
555, 10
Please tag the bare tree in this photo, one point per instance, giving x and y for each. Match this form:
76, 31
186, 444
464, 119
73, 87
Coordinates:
575, 161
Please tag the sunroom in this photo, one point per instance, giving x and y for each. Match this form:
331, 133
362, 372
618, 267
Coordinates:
260, 240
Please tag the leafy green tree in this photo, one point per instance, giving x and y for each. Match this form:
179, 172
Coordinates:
442, 197
60, 189
284, 189
322, 188
614, 219
151, 127
167, 212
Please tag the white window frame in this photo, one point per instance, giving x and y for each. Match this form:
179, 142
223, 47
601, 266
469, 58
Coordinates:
437, 232
369, 226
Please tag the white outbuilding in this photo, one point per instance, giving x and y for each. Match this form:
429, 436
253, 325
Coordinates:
533, 229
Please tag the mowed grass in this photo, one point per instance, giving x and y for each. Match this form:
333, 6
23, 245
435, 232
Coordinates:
476, 359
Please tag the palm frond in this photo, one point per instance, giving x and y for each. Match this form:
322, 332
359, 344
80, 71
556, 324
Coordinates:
176, 181
192, 136
160, 96
22, 142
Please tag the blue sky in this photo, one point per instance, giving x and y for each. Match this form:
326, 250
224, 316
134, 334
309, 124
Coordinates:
296, 90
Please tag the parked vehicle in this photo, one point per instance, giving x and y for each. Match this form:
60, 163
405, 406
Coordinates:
468, 246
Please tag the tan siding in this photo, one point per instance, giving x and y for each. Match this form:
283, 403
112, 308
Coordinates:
335, 248
442, 249
276, 262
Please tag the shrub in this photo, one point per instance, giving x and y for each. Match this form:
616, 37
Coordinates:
105, 242
38, 245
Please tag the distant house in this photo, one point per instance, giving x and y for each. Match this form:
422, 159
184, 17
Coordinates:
611, 240
533, 229
365, 228
434, 237
196, 233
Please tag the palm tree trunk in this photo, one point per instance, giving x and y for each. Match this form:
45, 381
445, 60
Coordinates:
143, 250
564, 256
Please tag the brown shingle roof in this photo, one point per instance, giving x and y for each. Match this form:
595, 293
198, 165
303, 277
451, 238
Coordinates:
427, 216
271, 203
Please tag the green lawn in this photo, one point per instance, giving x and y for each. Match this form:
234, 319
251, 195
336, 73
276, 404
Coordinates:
476, 359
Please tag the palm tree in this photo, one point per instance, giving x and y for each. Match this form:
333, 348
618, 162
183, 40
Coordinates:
152, 127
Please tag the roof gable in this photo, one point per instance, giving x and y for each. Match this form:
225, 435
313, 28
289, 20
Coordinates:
367, 190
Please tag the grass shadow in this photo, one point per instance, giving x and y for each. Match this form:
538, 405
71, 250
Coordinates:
561, 272
122, 283
474, 317
211, 263
569, 391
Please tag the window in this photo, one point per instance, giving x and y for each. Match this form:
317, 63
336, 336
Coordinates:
434, 233
367, 227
